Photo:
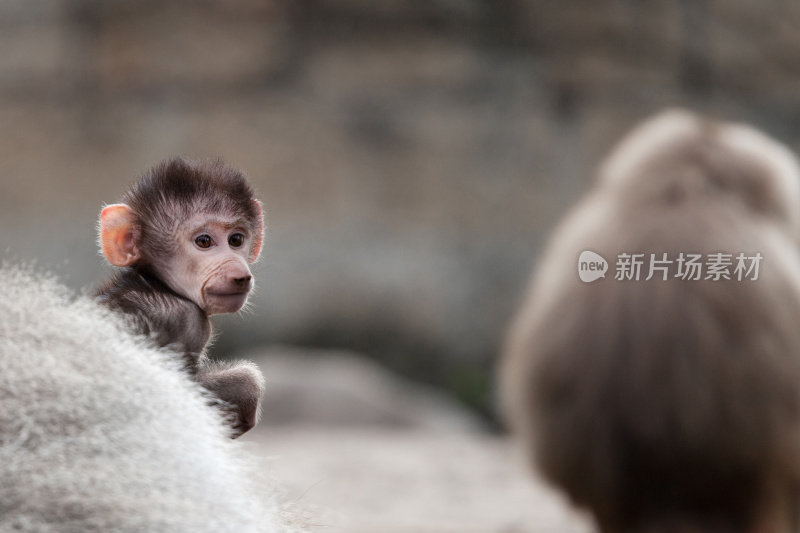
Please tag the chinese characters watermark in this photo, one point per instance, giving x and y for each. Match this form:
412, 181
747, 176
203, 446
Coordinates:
661, 266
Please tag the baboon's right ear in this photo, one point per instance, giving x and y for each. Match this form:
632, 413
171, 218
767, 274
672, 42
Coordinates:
258, 232
119, 235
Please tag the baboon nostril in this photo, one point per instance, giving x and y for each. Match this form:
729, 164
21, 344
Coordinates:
244, 280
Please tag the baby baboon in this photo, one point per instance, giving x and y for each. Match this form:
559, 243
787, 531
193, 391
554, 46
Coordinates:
662, 399
184, 235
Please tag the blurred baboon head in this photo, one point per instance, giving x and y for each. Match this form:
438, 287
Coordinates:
670, 403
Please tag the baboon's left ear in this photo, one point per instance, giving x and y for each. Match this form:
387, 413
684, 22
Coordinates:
258, 233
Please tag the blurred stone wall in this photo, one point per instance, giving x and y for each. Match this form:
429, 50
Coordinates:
412, 155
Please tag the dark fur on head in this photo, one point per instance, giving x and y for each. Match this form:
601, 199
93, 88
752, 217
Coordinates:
176, 189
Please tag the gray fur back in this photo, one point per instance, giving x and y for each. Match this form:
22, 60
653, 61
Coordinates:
99, 432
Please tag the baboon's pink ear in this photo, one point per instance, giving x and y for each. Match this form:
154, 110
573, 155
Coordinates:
118, 235
258, 233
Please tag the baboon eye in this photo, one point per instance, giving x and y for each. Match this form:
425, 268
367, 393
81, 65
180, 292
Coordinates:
203, 241
236, 240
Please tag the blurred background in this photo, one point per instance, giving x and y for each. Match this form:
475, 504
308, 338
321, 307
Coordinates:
412, 157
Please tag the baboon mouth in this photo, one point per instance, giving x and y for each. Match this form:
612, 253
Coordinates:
224, 302
228, 294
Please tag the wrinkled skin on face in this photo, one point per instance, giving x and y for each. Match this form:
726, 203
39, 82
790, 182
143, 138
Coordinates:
210, 264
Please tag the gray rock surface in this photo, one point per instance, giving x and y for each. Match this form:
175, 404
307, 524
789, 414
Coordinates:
339, 389
367, 480
358, 450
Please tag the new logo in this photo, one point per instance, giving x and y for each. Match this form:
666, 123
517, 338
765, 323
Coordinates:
591, 266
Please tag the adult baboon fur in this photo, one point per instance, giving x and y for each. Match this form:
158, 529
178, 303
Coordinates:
101, 432
670, 405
